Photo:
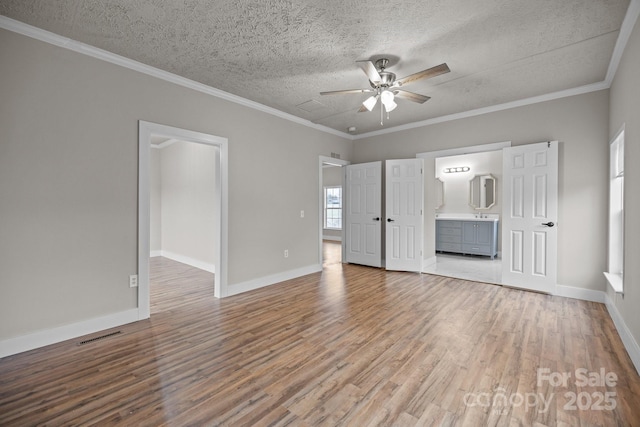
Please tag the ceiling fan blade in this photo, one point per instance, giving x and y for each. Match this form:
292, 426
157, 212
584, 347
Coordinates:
415, 97
425, 74
370, 70
363, 109
339, 92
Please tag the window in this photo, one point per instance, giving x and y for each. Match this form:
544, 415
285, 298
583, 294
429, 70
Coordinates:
333, 207
615, 274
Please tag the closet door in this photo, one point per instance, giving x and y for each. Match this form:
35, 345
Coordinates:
363, 233
404, 199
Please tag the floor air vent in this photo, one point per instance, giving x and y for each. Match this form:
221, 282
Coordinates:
99, 338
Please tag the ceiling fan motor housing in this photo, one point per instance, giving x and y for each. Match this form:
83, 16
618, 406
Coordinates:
386, 77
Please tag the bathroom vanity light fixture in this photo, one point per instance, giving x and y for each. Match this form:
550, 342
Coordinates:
457, 169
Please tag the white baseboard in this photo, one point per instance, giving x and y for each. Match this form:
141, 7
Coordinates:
45, 337
211, 268
333, 238
261, 282
630, 344
580, 293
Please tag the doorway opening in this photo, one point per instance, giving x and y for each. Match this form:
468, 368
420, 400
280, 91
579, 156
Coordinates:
183, 218
528, 217
469, 203
331, 230
449, 202
218, 201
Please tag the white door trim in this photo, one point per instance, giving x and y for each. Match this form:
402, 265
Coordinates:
483, 148
336, 162
145, 130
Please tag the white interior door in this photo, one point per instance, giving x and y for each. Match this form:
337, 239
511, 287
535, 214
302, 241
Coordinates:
363, 185
530, 216
404, 200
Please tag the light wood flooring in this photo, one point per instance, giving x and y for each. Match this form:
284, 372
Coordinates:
351, 346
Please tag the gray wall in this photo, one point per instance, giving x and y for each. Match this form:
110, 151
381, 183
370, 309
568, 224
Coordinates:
69, 174
581, 125
625, 109
186, 209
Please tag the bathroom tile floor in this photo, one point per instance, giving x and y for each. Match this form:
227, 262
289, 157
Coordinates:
468, 267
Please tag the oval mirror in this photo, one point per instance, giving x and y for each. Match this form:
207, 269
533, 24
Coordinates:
482, 191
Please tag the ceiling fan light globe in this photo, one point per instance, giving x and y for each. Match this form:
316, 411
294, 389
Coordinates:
370, 102
390, 106
386, 96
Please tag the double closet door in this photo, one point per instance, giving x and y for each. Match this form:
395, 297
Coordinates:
393, 211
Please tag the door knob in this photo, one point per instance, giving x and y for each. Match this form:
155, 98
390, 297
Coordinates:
376, 218
389, 220
548, 224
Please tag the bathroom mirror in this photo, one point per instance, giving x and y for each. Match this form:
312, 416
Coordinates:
439, 193
482, 191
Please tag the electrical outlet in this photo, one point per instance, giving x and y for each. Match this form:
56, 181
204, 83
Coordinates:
286, 253
301, 214
133, 281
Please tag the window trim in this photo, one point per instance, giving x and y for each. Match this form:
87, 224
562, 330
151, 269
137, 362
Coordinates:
615, 241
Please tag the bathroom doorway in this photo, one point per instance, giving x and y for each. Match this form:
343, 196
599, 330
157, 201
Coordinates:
451, 210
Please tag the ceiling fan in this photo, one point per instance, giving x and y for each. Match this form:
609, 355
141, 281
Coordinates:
385, 87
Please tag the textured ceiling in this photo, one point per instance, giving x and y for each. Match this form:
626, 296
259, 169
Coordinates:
282, 53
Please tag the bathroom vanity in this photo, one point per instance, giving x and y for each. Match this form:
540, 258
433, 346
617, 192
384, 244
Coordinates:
473, 236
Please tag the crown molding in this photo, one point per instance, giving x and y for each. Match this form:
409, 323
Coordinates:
85, 49
630, 18
48, 37
491, 109
623, 37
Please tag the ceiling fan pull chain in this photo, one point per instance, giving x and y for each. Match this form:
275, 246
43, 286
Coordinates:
381, 115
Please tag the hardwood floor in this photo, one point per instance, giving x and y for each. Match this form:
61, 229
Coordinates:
349, 346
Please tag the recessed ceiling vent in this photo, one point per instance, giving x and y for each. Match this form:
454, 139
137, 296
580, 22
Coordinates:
311, 106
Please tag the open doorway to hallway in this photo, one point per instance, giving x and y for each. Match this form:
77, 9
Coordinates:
331, 253
219, 219
331, 203
183, 217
